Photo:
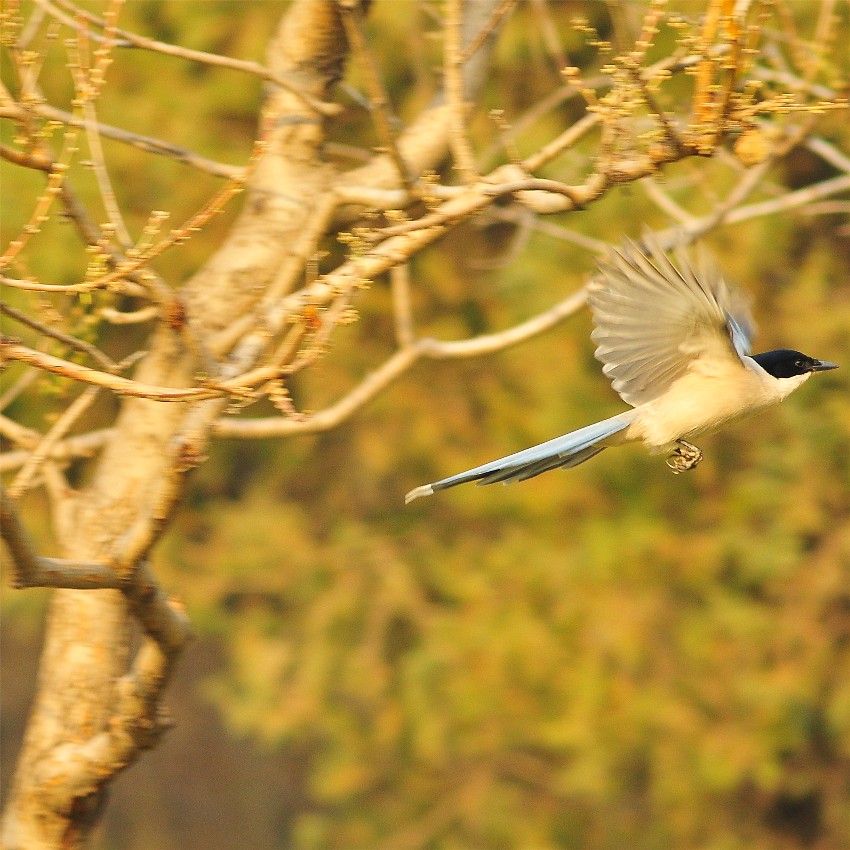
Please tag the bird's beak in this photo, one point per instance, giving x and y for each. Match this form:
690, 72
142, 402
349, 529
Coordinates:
823, 366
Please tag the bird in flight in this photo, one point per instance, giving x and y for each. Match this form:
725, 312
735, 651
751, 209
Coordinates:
674, 339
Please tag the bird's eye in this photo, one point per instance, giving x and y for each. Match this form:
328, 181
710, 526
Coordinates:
799, 364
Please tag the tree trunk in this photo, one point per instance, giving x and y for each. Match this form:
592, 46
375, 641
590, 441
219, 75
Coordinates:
80, 732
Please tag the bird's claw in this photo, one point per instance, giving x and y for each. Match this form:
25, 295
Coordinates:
684, 457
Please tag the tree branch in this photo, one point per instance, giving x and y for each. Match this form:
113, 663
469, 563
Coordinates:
453, 72
60, 427
352, 17
32, 570
66, 339
285, 81
149, 144
122, 386
395, 366
83, 445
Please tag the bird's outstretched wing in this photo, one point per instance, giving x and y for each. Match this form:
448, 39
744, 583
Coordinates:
657, 318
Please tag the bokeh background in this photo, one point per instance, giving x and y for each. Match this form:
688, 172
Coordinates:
610, 657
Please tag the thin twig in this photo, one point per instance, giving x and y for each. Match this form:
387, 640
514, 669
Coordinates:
63, 424
664, 201
87, 90
144, 283
17, 388
255, 69
17, 433
41, 209
122, 386
567, 139
379, 104
672, 133
829, 153
792, 200
71, 22
83, 445
551, 37
136, 317
550, 228
402, 308
496, 16
395, 366
149, 144
66, 339
129, 267
453, 72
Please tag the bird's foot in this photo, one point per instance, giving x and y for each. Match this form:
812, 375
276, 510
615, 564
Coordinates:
684, 457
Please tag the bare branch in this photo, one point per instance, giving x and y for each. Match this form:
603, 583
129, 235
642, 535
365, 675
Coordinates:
122, 386
32, 570
28, 159
16, 389
395, 366
352, 16
829, 153
88, 83
66, 339
285, 81
453, 71
664, 202
402, 309
792, 200
84, 445
137, 317
61, 427
148, 144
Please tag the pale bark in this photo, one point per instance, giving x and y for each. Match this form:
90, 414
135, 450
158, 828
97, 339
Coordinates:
77, 738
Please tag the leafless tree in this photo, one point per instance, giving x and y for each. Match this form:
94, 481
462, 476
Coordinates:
264, 307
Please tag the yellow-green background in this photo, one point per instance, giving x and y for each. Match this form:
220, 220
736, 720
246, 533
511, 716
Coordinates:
612, 657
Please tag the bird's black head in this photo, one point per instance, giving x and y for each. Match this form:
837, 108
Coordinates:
786, 363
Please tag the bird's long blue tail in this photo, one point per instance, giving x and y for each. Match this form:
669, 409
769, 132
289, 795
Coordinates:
566, 451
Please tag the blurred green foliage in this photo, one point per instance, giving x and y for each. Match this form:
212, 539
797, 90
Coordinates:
606, 658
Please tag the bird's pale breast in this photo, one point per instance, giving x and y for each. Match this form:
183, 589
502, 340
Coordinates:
699, 404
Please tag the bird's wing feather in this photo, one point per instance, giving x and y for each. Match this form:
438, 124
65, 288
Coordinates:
655, 320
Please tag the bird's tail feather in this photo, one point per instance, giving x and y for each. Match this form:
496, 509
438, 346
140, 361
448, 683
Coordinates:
566, 451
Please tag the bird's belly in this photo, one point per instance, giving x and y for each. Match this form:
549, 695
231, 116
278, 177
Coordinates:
694, 405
